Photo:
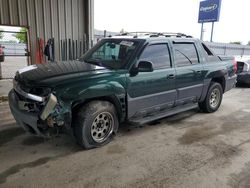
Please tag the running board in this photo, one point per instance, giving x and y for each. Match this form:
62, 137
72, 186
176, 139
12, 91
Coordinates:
169, 112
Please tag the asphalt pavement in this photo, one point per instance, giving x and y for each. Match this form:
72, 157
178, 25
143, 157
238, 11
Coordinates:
8, 70
191, 149
11, 64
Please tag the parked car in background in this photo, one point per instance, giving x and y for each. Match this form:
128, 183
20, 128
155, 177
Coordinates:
1, 53
243, 70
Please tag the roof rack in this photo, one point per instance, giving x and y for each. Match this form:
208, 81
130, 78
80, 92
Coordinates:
155, 34
166, 34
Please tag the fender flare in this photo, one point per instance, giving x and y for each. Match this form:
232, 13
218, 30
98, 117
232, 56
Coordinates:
113, 92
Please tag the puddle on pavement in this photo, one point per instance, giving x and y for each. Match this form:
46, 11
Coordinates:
196, 134
18, 167
223, 125
32, 141
8, 135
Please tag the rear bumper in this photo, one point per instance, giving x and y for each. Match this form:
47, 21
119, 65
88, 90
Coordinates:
27, 120
230, 83
244, 78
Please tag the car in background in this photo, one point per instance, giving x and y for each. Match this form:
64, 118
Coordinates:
1, 53
243, 70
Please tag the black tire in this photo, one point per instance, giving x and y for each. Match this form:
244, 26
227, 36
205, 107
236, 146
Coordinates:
207, 105
90, 123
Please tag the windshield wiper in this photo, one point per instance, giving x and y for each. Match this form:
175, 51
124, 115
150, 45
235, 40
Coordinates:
93, 61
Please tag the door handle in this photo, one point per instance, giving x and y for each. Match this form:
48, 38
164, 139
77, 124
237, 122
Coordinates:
171, 76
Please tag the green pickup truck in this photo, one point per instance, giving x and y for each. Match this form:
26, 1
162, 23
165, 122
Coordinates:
135, 77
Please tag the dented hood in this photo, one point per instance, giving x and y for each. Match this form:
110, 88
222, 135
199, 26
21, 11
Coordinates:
55, 72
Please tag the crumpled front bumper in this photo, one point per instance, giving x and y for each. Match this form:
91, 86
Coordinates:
27, 120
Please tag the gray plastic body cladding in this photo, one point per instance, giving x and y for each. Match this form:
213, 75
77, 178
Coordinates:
140, 106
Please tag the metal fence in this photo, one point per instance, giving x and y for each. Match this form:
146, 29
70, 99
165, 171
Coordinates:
229, 49
14, 43
14, 49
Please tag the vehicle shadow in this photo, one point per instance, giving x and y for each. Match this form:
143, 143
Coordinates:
19, 150
174, 120
242, 85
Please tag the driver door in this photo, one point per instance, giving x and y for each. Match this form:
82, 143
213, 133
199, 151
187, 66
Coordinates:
152, 92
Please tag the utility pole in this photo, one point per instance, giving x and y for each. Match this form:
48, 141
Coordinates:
212, 32
201, 37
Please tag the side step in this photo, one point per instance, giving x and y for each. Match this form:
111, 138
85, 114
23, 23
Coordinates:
169, 112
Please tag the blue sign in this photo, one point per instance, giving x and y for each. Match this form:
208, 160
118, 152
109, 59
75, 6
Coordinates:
209, 11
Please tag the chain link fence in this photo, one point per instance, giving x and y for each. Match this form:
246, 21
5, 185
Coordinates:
229, 49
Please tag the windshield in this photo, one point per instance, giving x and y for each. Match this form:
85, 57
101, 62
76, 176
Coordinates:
112, 54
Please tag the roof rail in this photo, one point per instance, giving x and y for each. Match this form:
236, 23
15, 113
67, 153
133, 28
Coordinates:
140, 33
166, 34
154, 34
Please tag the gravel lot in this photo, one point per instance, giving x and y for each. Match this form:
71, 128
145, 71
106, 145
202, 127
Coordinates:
191, 149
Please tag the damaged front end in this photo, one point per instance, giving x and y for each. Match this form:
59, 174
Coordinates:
55, 114
40, 114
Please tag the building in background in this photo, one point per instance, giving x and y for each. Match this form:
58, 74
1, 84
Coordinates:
68, 22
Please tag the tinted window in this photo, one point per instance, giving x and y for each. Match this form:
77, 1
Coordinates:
207, 50
158, 54
185, 54
208, 55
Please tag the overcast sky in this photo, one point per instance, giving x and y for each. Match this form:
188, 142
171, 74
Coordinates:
173, 16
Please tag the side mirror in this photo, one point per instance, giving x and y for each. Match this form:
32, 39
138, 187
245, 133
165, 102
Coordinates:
145, 66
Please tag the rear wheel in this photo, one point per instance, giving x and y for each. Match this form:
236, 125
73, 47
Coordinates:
213, 99
95, 124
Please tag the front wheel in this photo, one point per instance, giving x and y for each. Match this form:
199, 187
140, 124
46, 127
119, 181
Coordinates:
213, 99
95, 124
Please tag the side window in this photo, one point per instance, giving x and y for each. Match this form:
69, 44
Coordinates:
207, 50
158, 54
208, 54
185, 54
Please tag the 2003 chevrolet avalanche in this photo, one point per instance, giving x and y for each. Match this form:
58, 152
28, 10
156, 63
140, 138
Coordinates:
135, 78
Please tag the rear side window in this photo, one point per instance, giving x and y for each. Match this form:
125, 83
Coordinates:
208, 54
207, 50
158, 54
185, 54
